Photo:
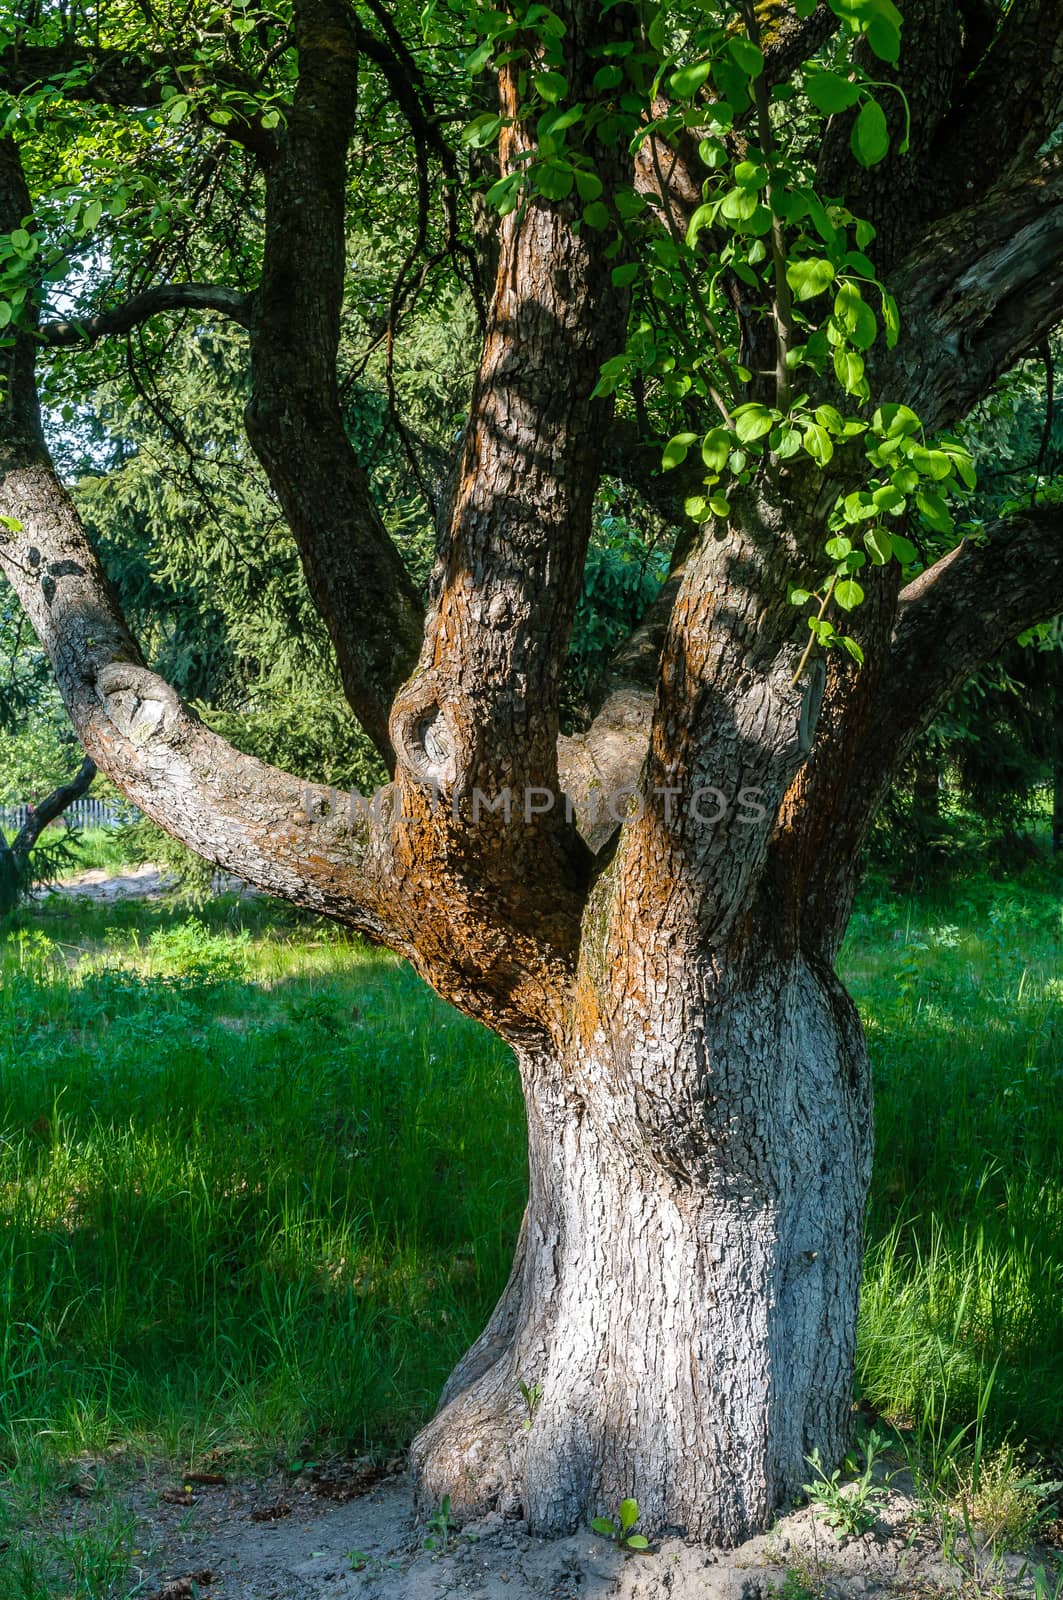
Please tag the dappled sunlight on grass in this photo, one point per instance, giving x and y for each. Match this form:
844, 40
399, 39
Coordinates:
258, 1185
963, 1003
244, 1191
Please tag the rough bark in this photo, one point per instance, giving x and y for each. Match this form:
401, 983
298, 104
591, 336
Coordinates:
685, 1297
294, 421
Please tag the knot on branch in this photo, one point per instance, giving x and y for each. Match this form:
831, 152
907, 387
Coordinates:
424, 734
141, 705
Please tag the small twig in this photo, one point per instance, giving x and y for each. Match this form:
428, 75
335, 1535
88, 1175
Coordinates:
803, 663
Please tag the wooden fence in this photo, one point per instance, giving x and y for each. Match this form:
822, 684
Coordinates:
84, 813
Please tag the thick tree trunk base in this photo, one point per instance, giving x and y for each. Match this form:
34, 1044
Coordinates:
685, 1293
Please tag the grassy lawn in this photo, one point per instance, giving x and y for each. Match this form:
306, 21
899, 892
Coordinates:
259, 1187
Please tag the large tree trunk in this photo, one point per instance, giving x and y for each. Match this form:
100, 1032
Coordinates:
685, 1293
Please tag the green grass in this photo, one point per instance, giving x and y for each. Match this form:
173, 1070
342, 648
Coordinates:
962, 998
259, 1188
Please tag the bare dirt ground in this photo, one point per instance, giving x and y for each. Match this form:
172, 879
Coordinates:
304, 1539
136, 883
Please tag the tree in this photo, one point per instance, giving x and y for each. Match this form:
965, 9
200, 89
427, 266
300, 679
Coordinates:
655, 207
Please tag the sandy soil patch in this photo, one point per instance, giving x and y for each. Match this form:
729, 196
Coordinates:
285, 1539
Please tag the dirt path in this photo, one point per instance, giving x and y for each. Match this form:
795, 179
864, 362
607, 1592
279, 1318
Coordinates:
284, 1542
103, 887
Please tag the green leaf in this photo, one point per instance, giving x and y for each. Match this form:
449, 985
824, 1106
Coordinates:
5, 313
848, 594
853, 648
637, 1541
625, 274
629, 1514
702, 218
675, 451
798, 597
746, 55
891, 319
965, 467
696, 508
685, 83
849, 371
817, 442
738, 205
934, 511
603, 1525
750, 175
589, 185
719, 505
789, 444
879, 545
607, 78
884, 31
838, 548
481, 131
550, 86
870, 139
830, 93
896, 420
753, 421
554, 179
478, 59
830, 417
596, 215
715, 448
554, 122
809, 277
904, 550
853, 314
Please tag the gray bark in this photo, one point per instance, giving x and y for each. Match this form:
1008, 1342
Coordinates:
686, 1291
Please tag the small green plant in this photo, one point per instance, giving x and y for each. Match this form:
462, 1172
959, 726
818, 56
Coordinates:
620, 1530
851, 1509
189, 955
1047, 1585
1002, 1501
441, 1530
359, 1560
797, 1585
531, 1394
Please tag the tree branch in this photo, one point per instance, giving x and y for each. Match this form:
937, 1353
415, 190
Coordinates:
52, 806
962, 611
163, 297
355, 574
1007, 108
949, 622
117, 78
243, 815
983, 287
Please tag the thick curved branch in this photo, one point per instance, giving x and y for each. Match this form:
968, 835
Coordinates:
983, 287
962, 611
1008, 107
246, 817
131, 313
949, 622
